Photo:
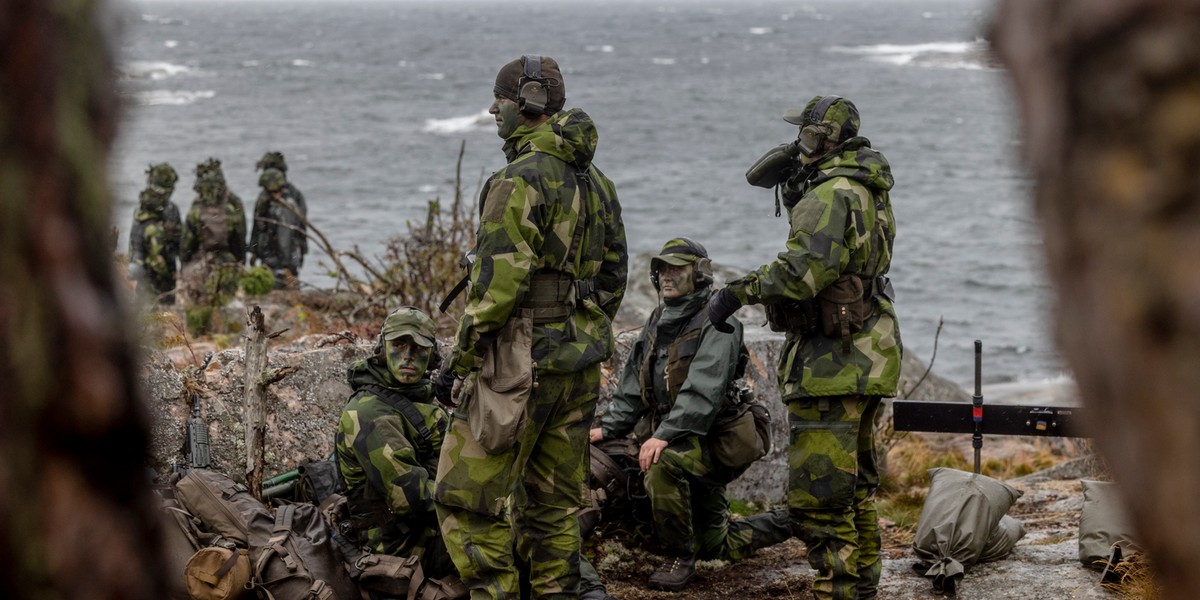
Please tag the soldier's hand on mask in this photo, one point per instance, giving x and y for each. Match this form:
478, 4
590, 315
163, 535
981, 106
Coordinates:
650, 452
443, 388
721, 306
595, 435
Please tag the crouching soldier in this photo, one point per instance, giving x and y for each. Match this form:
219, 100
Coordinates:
388, 442
681, 374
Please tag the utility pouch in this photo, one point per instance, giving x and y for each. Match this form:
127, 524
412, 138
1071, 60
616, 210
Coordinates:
741, 434
217, 573
843, 308
790, 316
496, 412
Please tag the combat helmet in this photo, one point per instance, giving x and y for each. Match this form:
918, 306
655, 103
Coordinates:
210, 180
679, 252
161, 178
824, 118
272, 180
271, 160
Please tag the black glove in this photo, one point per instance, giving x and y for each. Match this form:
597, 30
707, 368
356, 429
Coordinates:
721, 306
443, 387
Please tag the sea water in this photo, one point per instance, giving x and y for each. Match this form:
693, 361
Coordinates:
372, 100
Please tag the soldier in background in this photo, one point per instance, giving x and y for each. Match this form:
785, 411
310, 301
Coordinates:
154, 238
388, 441
549, 274
829, 291
278, 236
681, 376
214, 237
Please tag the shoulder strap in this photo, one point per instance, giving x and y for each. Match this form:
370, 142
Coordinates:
407, 410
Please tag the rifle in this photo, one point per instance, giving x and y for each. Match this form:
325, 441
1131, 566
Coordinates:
199, 455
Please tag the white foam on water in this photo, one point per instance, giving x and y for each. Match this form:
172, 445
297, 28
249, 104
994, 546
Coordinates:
300, 62
151, 69
171, 43
663, 61
761, 30
432, 76
942, 55
601, 48
427, 188
171, 97
459, 124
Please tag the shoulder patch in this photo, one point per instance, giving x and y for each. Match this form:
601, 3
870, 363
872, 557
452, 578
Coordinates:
497, 199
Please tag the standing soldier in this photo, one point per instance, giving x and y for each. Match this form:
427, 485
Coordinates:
277, 237
829, 292
549, 275
388, 442
214, 236
682, 374
155, 236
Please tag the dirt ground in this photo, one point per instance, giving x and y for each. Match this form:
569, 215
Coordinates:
1043, 566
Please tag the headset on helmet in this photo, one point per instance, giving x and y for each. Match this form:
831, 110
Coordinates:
531, 88
702, 273
814, 133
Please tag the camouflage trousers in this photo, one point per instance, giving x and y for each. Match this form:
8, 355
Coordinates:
833, 476
691, 513
544, 474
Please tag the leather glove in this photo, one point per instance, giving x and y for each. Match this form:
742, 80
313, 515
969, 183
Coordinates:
443, 387
721, 306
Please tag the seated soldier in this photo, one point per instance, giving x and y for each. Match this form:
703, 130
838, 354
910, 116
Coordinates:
388, 442
681, 373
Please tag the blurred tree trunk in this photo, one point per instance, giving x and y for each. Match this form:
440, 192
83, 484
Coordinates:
1109, 94
76, 513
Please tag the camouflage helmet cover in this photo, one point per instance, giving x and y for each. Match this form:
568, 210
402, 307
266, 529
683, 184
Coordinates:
272, 180
840, 118
411, 322
209, 177
161, 177
271, 160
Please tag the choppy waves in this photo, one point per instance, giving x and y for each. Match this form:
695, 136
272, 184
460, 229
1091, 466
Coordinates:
151, 70
973, 55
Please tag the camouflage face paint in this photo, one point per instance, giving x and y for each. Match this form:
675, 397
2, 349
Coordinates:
406, 360
676, 282
508, 116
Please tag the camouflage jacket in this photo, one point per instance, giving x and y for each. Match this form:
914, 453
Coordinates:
378, 446
234, 248
154, 241
529, 213
702, 396
277, 236
841, 223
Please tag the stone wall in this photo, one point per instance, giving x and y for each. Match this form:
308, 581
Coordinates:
303, 409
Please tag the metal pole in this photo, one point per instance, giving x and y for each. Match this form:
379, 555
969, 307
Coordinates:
977, 404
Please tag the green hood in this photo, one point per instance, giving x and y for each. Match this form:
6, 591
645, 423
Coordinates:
569, 135
370, 371
857, 160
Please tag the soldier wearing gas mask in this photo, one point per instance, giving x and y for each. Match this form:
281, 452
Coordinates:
829, 292
681, 377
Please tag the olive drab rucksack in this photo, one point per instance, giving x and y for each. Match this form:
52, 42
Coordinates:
289, 554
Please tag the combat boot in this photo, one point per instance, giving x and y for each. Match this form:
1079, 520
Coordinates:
675, 574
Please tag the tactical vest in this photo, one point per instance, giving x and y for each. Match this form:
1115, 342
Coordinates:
214, 227
678, 356
554, 294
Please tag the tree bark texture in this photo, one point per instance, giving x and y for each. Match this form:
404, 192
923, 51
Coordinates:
76, 510
1109, 94
256, 400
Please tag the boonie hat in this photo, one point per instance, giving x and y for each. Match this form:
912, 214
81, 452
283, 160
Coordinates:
410, 321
